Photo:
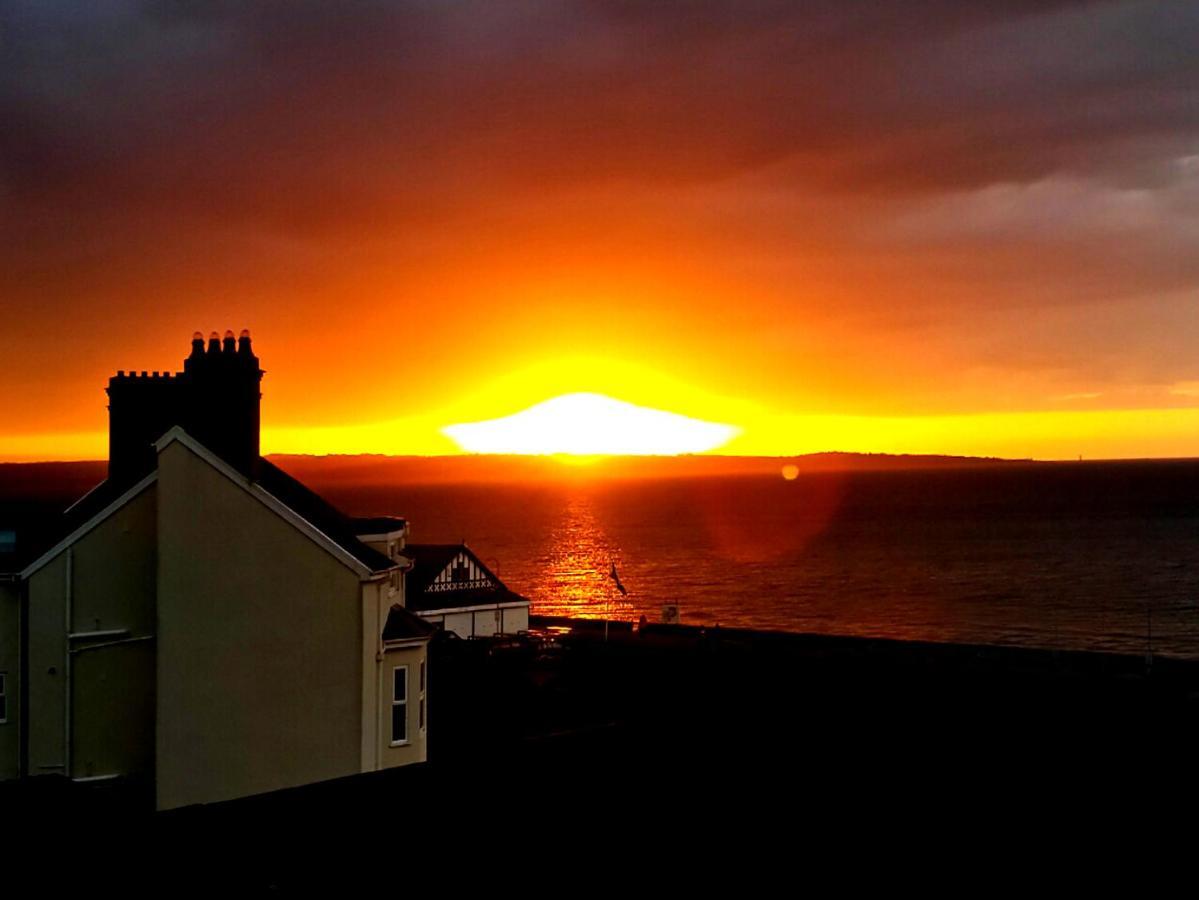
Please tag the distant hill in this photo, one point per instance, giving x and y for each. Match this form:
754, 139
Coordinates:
33, 496
50, 482
374, 469
58, 484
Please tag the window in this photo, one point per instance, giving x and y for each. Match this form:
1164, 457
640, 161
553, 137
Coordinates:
4, 694
422, 695
399, 705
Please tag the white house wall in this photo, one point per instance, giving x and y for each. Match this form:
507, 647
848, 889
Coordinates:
260, 644
462, 624
515, 619
483, 622
414, 751
106, 579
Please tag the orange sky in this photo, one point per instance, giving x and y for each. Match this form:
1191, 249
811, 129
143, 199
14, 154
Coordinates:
842, 230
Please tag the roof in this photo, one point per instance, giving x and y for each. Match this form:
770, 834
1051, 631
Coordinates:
378, 524
85, 514
98, 498
300, 500
26, 529
40, 526
403, 625
430, 560
323, 516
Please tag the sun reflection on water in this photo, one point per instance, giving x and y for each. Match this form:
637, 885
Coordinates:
575, 577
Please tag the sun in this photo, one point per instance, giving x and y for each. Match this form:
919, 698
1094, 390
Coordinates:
591, 425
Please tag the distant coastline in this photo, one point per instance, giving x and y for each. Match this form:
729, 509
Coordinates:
371, 468
20, 480
70, 479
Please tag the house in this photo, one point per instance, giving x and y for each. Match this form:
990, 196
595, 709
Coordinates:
205, 625
449, 586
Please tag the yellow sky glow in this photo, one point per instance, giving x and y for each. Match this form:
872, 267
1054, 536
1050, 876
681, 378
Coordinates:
1097, 434
659, 413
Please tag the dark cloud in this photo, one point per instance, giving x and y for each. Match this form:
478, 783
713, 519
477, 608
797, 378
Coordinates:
219, 108
847, 143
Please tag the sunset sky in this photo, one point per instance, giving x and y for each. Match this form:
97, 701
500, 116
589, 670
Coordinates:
934, 226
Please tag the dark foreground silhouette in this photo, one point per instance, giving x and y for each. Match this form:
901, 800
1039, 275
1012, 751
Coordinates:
690, 742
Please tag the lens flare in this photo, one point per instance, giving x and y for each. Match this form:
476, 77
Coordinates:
591, 425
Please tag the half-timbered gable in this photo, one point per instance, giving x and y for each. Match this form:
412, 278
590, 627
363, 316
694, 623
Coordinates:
464, 573
450, 586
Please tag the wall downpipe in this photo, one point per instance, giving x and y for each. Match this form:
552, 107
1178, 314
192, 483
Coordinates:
66, 667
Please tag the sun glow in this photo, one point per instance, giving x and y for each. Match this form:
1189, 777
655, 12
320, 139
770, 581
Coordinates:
589, 425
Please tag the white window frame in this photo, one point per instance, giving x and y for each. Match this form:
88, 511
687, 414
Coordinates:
4, 698
394, 703
421, 723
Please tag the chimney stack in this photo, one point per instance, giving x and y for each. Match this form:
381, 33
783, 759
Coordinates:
216, 399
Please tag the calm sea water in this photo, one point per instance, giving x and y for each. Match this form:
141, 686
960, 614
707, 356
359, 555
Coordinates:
1087, 555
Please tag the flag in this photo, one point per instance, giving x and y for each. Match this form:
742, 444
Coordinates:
615, 577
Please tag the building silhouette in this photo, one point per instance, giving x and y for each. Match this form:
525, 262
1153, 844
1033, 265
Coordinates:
216, 399
204, 625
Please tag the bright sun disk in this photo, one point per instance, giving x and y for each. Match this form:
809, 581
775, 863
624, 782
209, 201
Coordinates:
591, 425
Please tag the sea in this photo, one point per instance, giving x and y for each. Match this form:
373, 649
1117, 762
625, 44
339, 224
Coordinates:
1073, 555
1079, 555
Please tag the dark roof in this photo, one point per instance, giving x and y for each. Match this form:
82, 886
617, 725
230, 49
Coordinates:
301, 500
378, 524
38, 531
429, 561
321, 515
95, 500
403, 625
